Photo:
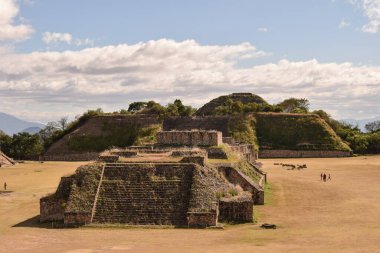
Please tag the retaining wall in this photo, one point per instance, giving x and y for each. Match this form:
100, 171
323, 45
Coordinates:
189, 138
237, 210
219, 123
303, 153
68, 157
51, 209
202, 219
237, 177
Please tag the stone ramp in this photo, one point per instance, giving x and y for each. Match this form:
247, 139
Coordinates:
5, 160
144, 194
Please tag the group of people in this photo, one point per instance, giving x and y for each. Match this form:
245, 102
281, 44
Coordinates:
325, 177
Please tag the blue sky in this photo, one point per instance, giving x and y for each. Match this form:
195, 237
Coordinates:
297, 29
277, 49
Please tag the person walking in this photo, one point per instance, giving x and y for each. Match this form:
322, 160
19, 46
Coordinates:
324, 177
5, 186
321, 176
329, 178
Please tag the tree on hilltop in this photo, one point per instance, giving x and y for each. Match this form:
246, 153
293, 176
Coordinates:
295, 105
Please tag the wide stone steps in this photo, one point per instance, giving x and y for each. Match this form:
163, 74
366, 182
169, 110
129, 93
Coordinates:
148, 202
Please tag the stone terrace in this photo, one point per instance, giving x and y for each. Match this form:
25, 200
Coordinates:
157, 194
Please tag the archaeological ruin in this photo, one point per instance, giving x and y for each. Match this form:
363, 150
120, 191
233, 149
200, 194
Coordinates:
174, 182
186, 171
5, 160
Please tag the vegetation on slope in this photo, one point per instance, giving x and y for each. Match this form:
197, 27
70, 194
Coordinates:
243, 129
306, 132
235, 103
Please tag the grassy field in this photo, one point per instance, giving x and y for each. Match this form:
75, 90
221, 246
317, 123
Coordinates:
341, 215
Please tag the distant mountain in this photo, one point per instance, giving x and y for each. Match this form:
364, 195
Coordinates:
362, 122
12, 125
32, 130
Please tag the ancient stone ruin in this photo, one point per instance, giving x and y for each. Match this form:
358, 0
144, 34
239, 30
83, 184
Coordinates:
5, 160
189, 138
171, 183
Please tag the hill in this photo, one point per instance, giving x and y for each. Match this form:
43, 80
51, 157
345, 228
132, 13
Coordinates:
12, 125
99, 133
209, 108
296, 132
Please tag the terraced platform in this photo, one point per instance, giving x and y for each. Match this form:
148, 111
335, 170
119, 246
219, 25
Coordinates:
156, 195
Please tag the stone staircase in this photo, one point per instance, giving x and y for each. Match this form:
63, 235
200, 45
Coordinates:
144, 194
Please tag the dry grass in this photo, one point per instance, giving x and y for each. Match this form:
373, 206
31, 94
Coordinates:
338, 216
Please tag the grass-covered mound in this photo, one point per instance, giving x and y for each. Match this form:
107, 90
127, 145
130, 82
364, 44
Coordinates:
245, 98
296, 132
99, 133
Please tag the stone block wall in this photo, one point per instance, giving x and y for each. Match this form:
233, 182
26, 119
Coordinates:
200, 160
51, 209
189, 138
76, 219
88, 156
246, 150
236, 209
267, 153
216, 153
238, 178
109, 158
202, 219
218, 123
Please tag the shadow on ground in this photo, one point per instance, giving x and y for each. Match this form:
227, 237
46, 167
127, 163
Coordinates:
34, 222
5, 192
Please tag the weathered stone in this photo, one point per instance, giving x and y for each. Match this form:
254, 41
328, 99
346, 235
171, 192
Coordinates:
236, 209
202, 219
189, 138
201, 160
269, 153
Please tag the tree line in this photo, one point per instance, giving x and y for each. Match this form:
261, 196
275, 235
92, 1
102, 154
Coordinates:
29, 146
26, 146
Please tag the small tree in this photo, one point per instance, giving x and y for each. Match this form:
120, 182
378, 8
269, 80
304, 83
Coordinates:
295, 105
136, 106
26, 146
63, 122
373, 126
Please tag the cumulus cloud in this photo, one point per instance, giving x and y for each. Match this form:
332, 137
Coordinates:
8, 29
67, 83
371, 9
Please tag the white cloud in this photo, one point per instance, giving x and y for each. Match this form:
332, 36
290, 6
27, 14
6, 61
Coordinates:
371, 9
49, 37
52, 84
84, 42
343, 24
8, 29
262, 29
54, 38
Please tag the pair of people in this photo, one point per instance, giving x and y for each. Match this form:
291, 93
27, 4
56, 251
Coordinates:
325, 178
